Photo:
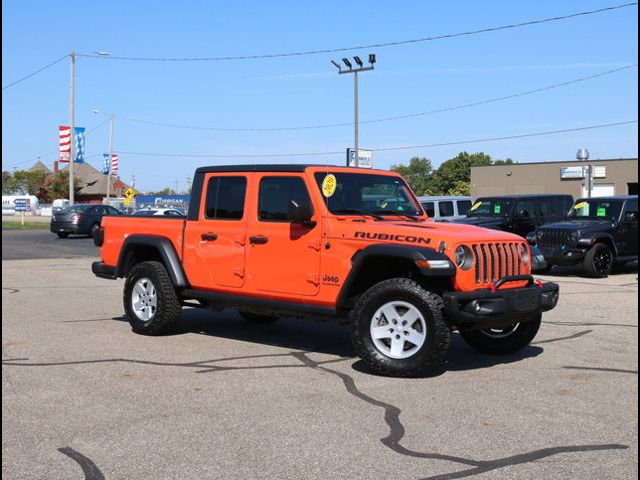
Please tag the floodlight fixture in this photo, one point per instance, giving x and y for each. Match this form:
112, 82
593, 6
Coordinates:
358, 61
336, 64
372, 58
347, 63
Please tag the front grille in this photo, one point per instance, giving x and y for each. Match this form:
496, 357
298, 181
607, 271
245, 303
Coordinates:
553, 238
496, 260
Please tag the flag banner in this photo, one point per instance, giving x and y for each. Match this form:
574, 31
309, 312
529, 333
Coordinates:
114, 164
80, 145
64, 139
65, 143
105, 163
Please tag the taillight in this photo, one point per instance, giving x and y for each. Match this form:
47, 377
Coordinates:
77, 217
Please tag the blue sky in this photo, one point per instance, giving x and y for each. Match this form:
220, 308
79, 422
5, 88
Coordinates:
306, 90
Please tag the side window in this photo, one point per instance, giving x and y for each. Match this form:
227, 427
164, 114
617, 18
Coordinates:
546, 208
225, 198
112, 211
428, 207
445, 209
631, 207
526, 209
275, 195
463, 206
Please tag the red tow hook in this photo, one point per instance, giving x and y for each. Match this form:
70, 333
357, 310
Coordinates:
538, 283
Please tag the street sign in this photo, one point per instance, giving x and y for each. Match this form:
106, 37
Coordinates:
129, 193
22, 205
127, 201
365, 158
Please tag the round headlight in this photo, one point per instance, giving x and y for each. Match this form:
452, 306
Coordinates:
524, 254
575, 236
464, 257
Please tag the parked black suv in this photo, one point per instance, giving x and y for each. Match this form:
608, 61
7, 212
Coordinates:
519, 214
599, 232
81, 218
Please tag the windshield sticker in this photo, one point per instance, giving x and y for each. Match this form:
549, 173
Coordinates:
329, 185
580, 205
496, 208
601, 212
475, 206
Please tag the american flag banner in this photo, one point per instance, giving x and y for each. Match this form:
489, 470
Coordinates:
114, 164
64, 139
65, 143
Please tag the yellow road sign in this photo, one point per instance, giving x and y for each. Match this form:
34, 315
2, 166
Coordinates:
129, 193
127, 201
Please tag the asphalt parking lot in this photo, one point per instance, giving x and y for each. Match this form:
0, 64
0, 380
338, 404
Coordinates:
84, 397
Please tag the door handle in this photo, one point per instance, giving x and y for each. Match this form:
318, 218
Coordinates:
258, 240
209, 237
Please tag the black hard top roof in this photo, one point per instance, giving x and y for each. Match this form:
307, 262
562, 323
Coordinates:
528, 196
620, 198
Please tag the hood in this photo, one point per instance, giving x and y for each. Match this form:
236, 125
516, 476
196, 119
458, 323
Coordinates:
581, 225
427, 233
486, 222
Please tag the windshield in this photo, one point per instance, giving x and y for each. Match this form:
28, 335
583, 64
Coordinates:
366, 194
594, 208
491, 207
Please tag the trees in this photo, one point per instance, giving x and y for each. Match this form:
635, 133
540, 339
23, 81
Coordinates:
164, 191
417, 173
453, 177
42, 184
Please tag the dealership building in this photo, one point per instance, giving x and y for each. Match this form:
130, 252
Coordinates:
608, 177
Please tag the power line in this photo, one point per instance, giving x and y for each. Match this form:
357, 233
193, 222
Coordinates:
375, 45
386, 119
384, 149
35, 73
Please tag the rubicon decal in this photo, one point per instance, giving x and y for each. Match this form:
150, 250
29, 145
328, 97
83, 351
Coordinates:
393, 237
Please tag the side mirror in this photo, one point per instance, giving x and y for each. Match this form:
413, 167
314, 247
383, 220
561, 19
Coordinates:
299, 214
631, 217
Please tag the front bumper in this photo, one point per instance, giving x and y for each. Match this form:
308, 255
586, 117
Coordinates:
496, 308
563, 256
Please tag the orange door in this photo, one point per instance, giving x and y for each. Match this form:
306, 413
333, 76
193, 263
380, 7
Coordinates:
215, 244
282, 257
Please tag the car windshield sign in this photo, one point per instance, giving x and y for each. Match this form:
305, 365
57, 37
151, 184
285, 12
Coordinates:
491, 207
596, 209
366, 194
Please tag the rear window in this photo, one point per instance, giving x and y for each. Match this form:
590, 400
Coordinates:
225, 198
79, 208
463, 206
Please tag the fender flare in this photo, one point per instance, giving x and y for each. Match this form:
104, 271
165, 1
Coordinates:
603, 237
166, 250
415, 255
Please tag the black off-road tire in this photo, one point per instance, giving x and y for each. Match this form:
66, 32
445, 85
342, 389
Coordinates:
62, 234
168, 308
429, 359
258, 319
545, 270
518, 338
93, 229
598, 262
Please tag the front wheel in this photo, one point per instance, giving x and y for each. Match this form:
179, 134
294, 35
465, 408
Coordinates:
399, 330
503, 341
62, 234
150, 301
598, 262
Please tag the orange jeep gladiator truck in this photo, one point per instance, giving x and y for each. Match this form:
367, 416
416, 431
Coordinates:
328, 242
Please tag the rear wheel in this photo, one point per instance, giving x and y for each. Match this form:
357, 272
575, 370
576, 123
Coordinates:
399, 330
598, 262
150, 301
501, 341
63, 234
94, 228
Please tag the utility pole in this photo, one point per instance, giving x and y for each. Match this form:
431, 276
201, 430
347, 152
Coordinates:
133, 181
110, 156
72, 146
176, 182
361, 68
583, 155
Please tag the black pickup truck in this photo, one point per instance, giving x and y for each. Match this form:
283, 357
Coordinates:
599, 233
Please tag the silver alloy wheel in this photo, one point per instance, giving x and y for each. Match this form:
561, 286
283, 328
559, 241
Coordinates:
500, 332
398, 329
144, 299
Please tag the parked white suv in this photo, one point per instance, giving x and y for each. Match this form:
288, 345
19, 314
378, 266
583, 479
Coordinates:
446, 209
